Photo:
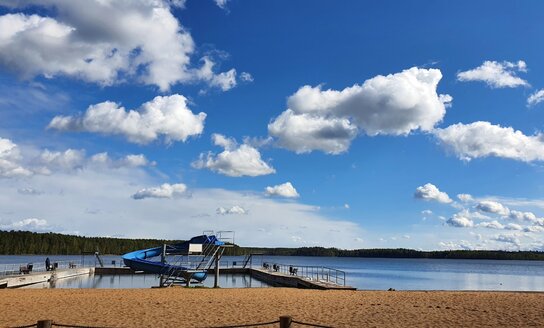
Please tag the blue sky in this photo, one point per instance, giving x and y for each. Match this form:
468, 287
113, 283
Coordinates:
294, 123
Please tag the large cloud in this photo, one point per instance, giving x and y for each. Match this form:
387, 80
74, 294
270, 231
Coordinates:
168, 116
483, 139
235, 160
496, 74
328, 120
431, 192
102, 41
267, 222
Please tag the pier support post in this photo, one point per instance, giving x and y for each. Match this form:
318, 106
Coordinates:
44, 324
163, 260
285, 321
216, 276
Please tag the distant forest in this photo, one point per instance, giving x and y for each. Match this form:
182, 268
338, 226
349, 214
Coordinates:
25, 243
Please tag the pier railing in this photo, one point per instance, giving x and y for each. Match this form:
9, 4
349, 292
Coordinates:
19, 268
311, 272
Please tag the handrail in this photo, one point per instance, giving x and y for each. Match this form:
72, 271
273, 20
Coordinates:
202, 263
15, 268
312, 272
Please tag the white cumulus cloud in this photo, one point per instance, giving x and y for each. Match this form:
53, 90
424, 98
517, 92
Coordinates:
535, 98
283, 190
431, 192
460, 221
328, 120
465, 198
246, 77
49, 162
163, 191
104, 42
29, 191
10, 160
30, 224
523, 216
224, 81
492, 225
534, 229
489, 206
221, 3
236, 210
483, 139
496, 74
235, 160
168, 116
510, 239
513, 226
303, 133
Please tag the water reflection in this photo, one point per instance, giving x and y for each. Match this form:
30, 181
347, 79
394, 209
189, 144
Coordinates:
362, 273
145, 281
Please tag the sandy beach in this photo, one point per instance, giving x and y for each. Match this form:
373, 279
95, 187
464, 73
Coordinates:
201, 307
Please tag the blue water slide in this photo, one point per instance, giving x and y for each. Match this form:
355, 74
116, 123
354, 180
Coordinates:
138, 260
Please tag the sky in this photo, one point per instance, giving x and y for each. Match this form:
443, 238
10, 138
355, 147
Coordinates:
353, 124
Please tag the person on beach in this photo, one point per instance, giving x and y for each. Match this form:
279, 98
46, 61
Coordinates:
47, 264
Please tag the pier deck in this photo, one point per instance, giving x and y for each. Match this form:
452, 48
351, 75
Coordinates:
21, 280
277, 278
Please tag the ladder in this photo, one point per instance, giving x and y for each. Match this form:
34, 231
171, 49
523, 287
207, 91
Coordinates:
97, 255
205, 261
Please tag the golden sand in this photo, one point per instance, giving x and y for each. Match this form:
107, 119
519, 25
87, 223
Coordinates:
200, 307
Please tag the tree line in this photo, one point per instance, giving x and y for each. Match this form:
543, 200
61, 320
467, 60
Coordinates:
390, 253
26, 243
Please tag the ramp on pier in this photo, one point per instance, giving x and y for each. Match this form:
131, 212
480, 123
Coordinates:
21, 280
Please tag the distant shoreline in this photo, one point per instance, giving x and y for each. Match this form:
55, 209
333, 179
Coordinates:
32, 243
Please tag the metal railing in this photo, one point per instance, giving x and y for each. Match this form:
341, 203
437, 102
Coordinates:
310, 272
19, 268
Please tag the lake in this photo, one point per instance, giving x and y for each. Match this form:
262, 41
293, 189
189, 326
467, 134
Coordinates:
362, 273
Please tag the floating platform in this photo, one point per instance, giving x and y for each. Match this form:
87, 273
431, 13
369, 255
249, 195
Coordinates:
288, 280
280, 279
32, 278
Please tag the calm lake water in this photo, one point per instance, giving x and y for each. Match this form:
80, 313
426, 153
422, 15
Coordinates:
362, 273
